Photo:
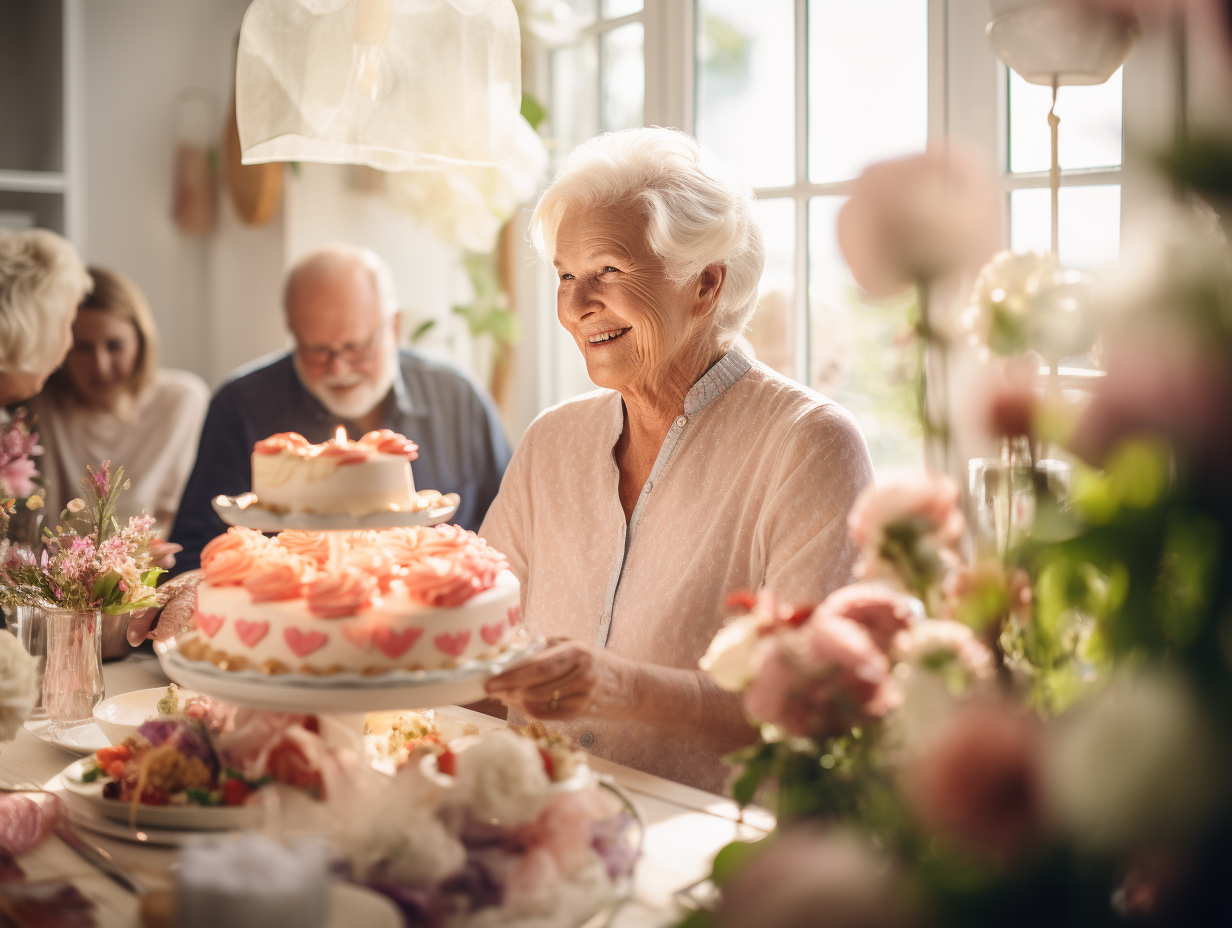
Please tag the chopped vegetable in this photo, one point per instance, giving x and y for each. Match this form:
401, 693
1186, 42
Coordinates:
169, 704
89, 776
235, 792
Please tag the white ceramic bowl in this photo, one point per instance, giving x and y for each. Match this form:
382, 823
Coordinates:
121, 716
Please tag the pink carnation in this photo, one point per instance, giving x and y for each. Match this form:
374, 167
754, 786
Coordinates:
882, 612
821, 679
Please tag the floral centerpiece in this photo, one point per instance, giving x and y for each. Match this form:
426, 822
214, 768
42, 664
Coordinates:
94, 562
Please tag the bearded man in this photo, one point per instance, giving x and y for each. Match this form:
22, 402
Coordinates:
345, 369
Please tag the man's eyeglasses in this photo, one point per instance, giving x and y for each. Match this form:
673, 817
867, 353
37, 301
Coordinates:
320, 356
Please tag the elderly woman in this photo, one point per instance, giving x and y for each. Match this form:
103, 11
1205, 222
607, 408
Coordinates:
41, 282
630, 513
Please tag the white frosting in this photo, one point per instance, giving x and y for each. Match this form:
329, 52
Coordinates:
393, 633
318, 483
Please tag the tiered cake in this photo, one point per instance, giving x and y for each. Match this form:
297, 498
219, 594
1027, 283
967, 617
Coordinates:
418, 598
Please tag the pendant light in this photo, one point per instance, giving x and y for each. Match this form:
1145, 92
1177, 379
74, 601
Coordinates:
393, 84
1059, 43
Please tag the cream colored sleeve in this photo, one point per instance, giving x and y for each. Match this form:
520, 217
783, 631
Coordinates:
192, 398
822, 466
507, 525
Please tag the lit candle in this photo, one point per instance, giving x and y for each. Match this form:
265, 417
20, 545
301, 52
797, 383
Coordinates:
340, 435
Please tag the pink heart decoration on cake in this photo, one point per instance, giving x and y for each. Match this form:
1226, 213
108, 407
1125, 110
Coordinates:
207, 624
304, 643
515, 613
395, 644
359, 634
492, 633
250, 632
454, 643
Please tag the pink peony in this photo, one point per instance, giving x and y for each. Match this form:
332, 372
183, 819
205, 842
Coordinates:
563, 829
821, 679
919, 219
980, 784
881, 611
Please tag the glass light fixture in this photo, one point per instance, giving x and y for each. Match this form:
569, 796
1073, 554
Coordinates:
393, 84
1060, 43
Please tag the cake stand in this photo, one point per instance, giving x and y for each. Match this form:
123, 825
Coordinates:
340, 692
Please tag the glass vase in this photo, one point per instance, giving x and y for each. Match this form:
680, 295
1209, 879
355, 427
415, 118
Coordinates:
73, 678
31, 630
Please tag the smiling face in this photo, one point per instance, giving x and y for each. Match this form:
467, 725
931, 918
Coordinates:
101, 363
637, 329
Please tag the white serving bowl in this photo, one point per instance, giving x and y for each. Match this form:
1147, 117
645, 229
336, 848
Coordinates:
121, 716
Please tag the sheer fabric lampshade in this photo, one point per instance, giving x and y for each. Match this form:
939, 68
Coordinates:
394, 84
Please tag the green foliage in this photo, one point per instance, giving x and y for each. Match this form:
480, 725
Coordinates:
489, 313
422, 329
533, 111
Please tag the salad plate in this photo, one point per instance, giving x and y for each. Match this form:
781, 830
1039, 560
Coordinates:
246, 511
343, 692
119, 717
82, 737
77, 781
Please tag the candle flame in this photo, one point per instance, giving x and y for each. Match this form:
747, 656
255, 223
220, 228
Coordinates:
340, 435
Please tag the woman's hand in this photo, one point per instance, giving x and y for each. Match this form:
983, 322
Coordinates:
172, 618
569, 680
163, 553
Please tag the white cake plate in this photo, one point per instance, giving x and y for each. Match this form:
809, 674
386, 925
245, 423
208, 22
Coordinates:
343, 692
246, 511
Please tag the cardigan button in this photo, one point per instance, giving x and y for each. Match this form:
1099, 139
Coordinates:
586, 739
682, 421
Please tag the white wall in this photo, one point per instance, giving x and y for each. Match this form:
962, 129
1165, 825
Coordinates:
214, 299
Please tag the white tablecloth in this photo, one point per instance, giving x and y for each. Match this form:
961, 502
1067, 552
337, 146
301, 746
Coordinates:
686, 826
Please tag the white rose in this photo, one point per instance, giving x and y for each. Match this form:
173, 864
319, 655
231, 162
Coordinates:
1135, 763
729, 659
501, 777
18, 685
942, 646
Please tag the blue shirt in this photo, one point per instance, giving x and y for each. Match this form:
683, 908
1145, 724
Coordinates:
462, 447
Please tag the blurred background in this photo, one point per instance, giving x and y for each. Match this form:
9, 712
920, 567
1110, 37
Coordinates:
115, 116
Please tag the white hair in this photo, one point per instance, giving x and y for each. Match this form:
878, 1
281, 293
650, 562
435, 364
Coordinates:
698, 213
382, 276
41, 282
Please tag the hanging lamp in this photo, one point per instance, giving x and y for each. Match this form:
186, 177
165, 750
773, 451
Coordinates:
1059, 43
393, 84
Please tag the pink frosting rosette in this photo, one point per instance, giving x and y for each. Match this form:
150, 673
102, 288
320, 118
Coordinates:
231, 558
276, 580
335, 595
313, 546
387, 441
376, 563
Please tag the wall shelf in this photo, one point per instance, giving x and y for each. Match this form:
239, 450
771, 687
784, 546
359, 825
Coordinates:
32, 181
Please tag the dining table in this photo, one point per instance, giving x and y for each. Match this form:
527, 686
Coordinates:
684, 826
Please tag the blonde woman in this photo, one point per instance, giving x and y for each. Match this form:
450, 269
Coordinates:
41, 282
110, 401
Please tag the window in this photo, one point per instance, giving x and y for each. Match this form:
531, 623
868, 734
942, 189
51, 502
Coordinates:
1089, 153
796, 119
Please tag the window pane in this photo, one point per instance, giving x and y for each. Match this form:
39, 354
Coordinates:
1089, 135
772, 330
624, 77
575, 99
856, 353
746, 87
584, 9
1090, 223
868, 84
613, 9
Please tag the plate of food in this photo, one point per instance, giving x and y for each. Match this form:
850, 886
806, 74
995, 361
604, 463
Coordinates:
119, 717
206, 767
